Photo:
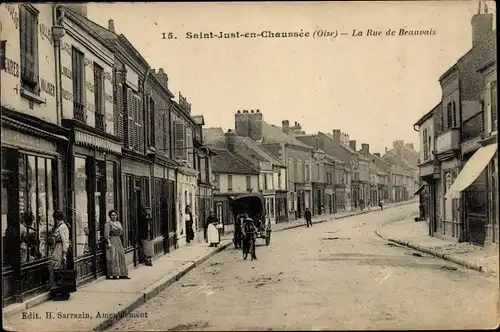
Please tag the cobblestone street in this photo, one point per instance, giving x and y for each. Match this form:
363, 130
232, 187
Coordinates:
336, 275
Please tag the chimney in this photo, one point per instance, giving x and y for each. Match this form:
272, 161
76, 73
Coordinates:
409, 146
242, 123
352, 145
285, 124
365, 148
230, 140
255, 120
336, 135
111, 25
162, 77
386, 150
482, 24
377, 154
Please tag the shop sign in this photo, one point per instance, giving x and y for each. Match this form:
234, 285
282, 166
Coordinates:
22, 140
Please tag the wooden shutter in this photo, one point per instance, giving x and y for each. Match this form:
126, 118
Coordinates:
138, 123
179, 137
118, 107
129, 132
189, 144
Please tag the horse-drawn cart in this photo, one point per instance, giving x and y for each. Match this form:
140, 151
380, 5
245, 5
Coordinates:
253, 205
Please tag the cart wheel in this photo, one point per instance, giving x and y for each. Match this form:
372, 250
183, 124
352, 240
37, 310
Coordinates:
268, 239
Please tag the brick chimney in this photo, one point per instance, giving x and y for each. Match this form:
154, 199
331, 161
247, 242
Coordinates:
230, 138
111, 25
482, 24
162, 77
336, 135
285, 125
242, 123
352, 145
255, 125
365, 148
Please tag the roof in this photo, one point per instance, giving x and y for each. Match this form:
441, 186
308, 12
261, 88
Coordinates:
427, 115
226, 162
328, 156
213, 135
199, 119
250, 143
273, 134
489, 64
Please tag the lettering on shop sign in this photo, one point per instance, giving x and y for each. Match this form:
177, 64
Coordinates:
11, 67
90, 86
66, 95
89, 107
108, 77
67, 72
48, 87
108, 98
46, 33
13, 14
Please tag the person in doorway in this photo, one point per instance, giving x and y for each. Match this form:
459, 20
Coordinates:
116, 266
308, 217
213, 234
210, 219
63, 283
381, 205
188, 217
144, 233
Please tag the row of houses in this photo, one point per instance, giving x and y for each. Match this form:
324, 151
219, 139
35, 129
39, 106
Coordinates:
458, 137
89, 127
325, 172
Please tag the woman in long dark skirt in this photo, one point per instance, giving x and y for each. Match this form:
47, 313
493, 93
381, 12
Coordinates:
116, 266
189, 224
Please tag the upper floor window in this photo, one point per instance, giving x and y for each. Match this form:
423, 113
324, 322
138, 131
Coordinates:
493, 103
133, 126
98, 96
152, 121
279, 179
229, 182
266, 185
217, 181
28, 26
78, 66
249, 183
426, 148
451, 114
307, 173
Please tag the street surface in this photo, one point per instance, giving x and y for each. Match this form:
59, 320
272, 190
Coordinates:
335, 275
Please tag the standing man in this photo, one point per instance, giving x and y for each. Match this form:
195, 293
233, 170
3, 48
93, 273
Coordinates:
144, 232
308, 216
381, 204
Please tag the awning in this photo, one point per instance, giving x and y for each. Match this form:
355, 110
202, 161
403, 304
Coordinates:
420, 188
476, 164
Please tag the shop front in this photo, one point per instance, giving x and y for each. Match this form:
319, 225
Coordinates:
187, 188
32, 182
205, 204
94, 168
281, 206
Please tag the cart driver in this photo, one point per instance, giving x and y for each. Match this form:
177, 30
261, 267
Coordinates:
249, 229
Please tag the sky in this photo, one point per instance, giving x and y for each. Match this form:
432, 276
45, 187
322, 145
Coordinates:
373, 88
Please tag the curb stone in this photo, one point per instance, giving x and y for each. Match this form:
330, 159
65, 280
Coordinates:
154, 289
436, 253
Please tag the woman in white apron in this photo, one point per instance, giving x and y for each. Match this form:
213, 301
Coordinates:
213, 235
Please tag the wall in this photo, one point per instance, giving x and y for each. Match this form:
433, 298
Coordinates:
279, 181
11, 75
490, 76
162, 106
94, 51
264, 176
239, 183
450, 93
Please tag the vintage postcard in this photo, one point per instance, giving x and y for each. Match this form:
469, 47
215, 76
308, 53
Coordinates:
232, 166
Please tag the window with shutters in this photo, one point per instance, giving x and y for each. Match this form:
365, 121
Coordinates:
118, 106
189, 145
249, 183
128, 123
152, 122
98, 96
426, 154
493, 105
229, 182
78, 66
28, 26
179, 139
139, 137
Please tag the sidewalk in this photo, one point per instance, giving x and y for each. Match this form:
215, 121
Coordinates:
113, 298
116, 298
415, 235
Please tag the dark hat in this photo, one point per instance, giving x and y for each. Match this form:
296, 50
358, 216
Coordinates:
58, 214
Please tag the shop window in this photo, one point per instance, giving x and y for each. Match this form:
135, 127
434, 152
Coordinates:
28, 25
493, 105
81, 207
36, 205
111, 187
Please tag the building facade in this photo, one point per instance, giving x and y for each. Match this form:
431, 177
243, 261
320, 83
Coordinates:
34, 148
